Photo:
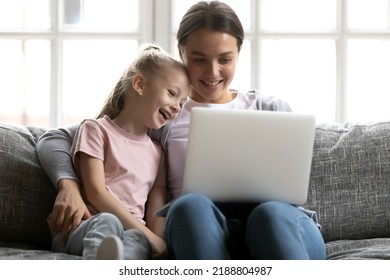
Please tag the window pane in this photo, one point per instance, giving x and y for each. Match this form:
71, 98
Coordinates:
242, 77
368, 14
298, 14
11, 86
302, 72
101, 14
368, 80
24, 14
91, 70
25, 85
242, 9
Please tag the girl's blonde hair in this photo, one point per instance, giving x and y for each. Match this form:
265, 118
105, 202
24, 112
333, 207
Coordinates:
150, 60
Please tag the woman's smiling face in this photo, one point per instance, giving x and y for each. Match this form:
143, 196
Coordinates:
211, 59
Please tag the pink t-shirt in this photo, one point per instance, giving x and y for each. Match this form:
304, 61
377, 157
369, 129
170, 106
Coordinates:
131, 162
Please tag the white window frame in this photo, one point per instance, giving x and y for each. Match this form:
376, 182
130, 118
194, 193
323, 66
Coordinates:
161, 30
56, 35
341, 35
144, 34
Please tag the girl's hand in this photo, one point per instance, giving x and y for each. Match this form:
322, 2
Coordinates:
159, 248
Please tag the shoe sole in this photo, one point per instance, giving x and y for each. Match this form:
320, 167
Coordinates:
110, 249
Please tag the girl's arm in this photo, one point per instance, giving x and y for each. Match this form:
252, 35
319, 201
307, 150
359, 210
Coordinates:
156, 200
92, 175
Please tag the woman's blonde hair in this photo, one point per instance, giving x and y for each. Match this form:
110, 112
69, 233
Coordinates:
150, 59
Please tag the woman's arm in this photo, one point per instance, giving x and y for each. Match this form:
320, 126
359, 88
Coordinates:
92, 175
270, 103
53, 149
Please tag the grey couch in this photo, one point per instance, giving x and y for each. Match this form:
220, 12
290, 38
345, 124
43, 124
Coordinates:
349, 189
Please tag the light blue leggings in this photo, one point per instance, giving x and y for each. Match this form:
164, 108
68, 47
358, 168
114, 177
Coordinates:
197, 229
86, 238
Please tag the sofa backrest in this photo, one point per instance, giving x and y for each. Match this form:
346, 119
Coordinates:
350, 180
349, 183
26, 194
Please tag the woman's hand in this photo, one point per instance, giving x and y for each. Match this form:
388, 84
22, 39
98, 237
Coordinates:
68, 211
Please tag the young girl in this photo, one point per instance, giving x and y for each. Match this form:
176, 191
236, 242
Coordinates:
210, 37
121, 168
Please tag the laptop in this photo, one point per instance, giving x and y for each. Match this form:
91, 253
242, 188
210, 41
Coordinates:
249, 156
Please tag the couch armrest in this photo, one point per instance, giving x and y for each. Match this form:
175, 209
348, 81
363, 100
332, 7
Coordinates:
26, 194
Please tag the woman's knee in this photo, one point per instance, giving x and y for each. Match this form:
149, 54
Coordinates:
194, 211
273, 210
190, 204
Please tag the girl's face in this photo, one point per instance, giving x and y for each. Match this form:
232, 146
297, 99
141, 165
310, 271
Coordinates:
211, 59
163, 96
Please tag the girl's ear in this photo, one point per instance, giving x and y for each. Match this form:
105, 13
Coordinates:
138, 83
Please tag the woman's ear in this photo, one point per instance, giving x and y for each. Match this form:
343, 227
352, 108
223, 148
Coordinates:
138, 83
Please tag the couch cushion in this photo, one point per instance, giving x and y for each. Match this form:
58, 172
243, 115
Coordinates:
10, 253
350, 180
363, 249
26, 194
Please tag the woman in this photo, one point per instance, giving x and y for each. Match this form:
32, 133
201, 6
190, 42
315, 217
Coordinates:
210, 37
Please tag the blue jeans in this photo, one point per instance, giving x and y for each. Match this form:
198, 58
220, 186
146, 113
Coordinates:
196, 228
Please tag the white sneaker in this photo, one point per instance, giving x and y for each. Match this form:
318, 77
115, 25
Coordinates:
110, 249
